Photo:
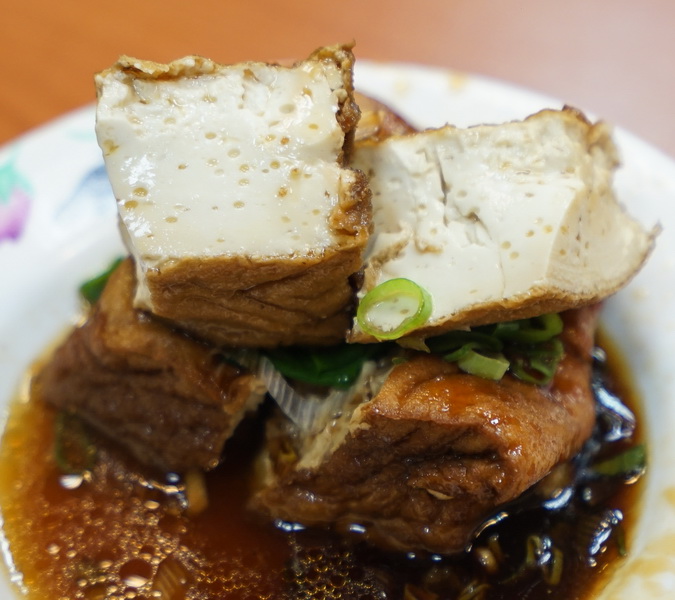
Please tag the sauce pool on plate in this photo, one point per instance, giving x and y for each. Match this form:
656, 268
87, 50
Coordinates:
119, 531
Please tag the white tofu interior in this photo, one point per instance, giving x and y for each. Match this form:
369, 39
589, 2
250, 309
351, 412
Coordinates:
223, 160
488, 213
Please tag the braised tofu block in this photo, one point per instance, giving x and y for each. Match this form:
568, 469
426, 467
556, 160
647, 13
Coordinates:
420, 464
498, 222
234, 196
172, 401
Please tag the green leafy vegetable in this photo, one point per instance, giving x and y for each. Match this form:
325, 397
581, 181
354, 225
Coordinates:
91, 289
335, 366
393, 308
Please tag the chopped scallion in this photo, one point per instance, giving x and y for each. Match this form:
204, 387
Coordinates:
529, 348
553, 570
393, 309
620, 540
537, 363
454, 340
488, 367
530, 331
627, 463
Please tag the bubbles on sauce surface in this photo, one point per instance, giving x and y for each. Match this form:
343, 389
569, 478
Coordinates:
121, 533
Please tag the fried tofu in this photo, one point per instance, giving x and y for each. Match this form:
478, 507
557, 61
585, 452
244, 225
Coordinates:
499, 222
418, 463
171, 401
234, 196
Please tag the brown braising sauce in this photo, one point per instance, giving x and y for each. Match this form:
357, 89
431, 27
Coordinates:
121, 532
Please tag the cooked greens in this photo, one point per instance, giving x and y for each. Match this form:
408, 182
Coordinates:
529, 348
92, 289
333, 366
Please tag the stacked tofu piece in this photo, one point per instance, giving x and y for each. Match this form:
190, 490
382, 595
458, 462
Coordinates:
234, 194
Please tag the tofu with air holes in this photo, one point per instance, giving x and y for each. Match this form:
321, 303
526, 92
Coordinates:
500, 222
233, 194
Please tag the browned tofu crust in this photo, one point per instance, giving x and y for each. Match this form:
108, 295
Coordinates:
258, 303
165, 397
436, 450
268, 301
378, 121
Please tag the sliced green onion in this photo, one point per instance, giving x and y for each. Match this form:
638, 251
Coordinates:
333, 366
92, 289
454, 340
460, 352
502, 330
542, 554
488, 367
464, 351
393, 308
486, 559
620, 540
530, 331
534, 547
495, 547
553, 570
628, 463
537, 364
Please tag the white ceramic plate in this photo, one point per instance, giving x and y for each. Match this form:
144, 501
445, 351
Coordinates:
58, 226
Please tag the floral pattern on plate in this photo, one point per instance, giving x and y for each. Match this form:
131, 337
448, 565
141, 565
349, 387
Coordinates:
15, 201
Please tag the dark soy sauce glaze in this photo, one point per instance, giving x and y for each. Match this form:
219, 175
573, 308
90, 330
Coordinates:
122, 533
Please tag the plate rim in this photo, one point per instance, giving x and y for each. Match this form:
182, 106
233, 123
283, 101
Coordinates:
648, 162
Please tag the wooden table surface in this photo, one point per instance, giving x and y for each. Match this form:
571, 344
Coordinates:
612, 57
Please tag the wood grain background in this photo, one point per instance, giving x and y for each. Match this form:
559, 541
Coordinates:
612, 57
